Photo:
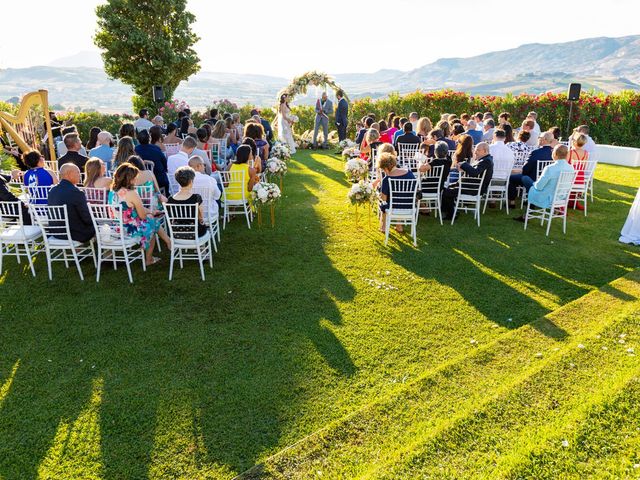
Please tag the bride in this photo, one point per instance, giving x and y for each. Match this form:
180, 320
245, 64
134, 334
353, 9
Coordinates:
285, 123
631, 230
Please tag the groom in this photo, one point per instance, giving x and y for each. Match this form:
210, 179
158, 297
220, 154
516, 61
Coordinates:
324, 108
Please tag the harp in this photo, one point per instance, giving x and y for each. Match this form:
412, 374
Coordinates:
30, 128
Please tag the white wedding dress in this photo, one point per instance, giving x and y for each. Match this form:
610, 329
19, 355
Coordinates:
631, 230
285, 129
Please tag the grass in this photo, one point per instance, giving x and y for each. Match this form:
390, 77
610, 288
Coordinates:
315, 335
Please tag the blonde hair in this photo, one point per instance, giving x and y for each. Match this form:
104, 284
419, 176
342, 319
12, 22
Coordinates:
424, 125
219, 129
387, 160
372, 135
386, 148
579, 139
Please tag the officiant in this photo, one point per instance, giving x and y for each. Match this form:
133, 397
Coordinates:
324, 108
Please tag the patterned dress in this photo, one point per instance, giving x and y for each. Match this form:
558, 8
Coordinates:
135, 226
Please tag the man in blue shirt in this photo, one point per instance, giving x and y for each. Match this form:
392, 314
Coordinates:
103, 149
476, 135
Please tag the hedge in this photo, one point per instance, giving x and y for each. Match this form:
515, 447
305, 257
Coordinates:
613, 119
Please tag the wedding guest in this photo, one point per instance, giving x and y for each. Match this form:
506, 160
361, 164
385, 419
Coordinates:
508, 131
501, 154
530, 168
143, 122
403, 121
218, 135
482, 164
441, 151
185, 196
590, 146
7, 196
385, 136
390, 117
464, 119
232, 133
241, 164
128, 130
504, 117
73, 155
529, 126
387, 162
202, 180
158, 121
146, 178
556, 132
533, 116
66, 193
463, 153
95, 174
214, 116
371, 142
542, 191
123, 151
156, 138
172, 135
139, 221
266, 126
255, 132
413, 118
576, 158
424, 127
93, 138
457, 130
408, 136
368, 121
202, 149
521, 145
37, 175
181, 158
103, 149
478, 116
476, 135
488, 129
61, 147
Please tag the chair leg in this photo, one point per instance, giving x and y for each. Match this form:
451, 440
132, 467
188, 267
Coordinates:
246, 214
128, 264
28, 250
526, 217
439, 211
200, 262
171, 263
48, 252
75, 259
551, 218
99, 266
387, 227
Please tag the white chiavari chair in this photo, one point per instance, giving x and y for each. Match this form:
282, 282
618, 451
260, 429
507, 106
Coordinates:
585, 170
402, 207
469, 195
14, 234
235, 196
431, 189
559, 204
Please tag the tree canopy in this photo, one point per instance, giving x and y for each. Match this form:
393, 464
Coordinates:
146, 43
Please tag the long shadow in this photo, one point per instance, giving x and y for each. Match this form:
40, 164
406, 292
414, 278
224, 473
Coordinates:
246, 349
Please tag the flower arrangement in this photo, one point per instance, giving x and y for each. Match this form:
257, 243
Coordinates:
265, 193
350, 152
347, 144
170, 109
299, 85
276, 167
281, 151
224, 106
362, 193
356, 169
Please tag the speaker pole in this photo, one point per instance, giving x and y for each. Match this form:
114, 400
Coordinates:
569, 119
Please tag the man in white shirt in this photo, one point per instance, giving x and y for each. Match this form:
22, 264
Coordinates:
143, 123
488, 129
590, 146
529, 125
536, 128
181, 159
502, 155
413, 118
205, 181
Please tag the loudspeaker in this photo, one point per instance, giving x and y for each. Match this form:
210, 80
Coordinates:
158, 93
573, 94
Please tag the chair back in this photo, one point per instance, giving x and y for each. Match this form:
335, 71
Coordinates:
97, 196
563, 189
502, 170
171, 149
51, 165
542, 164
402, 193
218, 150
107, 222
470, 187
207, 199
11, 215
431, 182
520, 158
234, 186
407, 154
585, 169
37, 194
182, 221
149, 165
53, 220
146, 196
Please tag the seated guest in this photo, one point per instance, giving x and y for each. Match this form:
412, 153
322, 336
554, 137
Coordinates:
445, 127
508, 131
146, 178
66, 193
576, 158
529, 126
244, 156
556, 132
7, 196
143, 122
232, 133
213, 116
441, 150
255, 132
61, 148
139, 222
590, 146
387, 162
385, 135
185, 196
37, 175
95, 174
504, 117
542, 191
235, 118
370, 143
487, 129
158, 121
462, 153
403, 121
521, 145
457, 131
181, 159
533, 116
266, 126
413, 118
156, 138
477, 117
103, 149
530, 169
464, 119
483, 163
219, 135
203, 150
93, 138
408, 136
476, 135
73, 155
202, 180
368, 121
502, 155
424, 127
128, 130
172, 135
124, 150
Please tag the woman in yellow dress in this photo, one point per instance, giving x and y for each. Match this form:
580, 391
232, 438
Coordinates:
243, 163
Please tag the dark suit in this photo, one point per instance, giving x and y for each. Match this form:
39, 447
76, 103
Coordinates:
268, 131
449, 195
342, 118
7, 196
80, 224
75, 158
529, 169
409, 137
159, 159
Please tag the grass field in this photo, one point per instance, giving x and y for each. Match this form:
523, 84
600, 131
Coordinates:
314, 351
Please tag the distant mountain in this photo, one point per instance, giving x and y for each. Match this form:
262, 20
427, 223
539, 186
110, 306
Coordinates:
605, 64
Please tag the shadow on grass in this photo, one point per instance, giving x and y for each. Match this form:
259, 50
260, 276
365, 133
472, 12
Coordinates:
230, 362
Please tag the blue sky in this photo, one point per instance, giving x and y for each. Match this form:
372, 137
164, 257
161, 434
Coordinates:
286, 37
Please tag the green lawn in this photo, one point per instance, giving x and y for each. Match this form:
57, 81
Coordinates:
460, 358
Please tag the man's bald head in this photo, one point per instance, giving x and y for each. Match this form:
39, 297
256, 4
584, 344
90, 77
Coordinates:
482, 149
70, 172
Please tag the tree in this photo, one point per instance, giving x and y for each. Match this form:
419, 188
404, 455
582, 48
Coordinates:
146, 43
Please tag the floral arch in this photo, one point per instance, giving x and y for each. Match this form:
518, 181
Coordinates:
299, 85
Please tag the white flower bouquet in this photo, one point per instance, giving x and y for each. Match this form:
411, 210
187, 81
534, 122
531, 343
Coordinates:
281, 151
294, 118
264, 193
356, 169
276, 167
347, 144
350, 152
362, 193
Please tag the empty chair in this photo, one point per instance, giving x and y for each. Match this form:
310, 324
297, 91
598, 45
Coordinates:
113, 243
469, 196
402, 208
15, 235
182, 222
58, 244
558, 207
431, 188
